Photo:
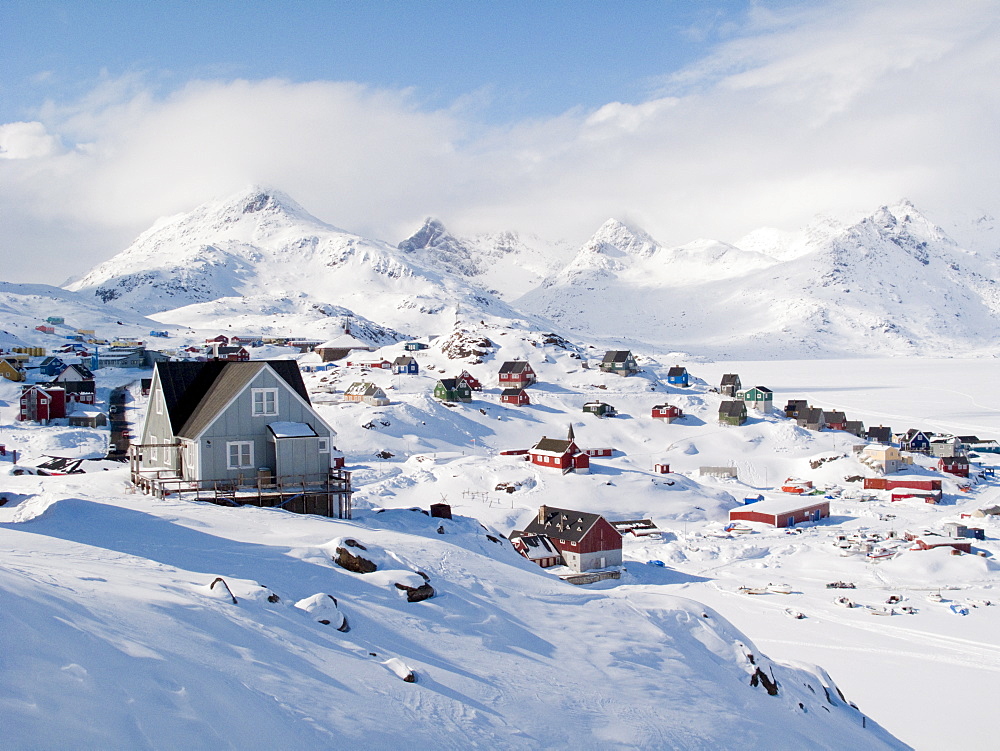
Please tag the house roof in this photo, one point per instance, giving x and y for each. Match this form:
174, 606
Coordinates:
403, 360
784, 505
730, 379
187, 386
880, 433
511, 392
954, 460
676, 371
832, 416
732, 408
663, 407
796, 404
854, 426
344, 341
761, 389
814, 415
364, 388
537, 546
564, 524
618, 355
451, 384
557, 446
285, 429
515, 366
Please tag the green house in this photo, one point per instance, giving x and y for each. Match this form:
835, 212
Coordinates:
759, 398
600, 409
620, 362
452, 390
55, 320
732, 413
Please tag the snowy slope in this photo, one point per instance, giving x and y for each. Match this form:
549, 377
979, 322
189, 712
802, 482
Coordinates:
260, 244
26, 306
504, 655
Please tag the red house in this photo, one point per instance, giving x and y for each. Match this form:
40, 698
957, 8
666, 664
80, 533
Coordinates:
666, 412
233, 354
585, 541
42, 403
929, 543
516, 373
562, 455
515, 396
220, 339
954, 465
927, 496
472, 382
783, 512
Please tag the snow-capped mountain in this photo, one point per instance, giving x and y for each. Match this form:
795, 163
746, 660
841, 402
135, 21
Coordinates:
262, 246
891, 282
506, 263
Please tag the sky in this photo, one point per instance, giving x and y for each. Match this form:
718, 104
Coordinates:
689, 119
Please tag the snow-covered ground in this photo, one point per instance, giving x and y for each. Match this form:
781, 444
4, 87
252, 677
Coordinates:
108, 591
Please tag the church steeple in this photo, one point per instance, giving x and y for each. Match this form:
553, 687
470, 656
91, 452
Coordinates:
570, 436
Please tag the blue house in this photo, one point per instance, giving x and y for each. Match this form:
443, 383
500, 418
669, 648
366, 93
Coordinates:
51, 366
915, 440
678, 376
158, 333
405, 365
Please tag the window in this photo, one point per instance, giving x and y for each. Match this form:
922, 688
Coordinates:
324, 445
240, 454
154, 451
265, 402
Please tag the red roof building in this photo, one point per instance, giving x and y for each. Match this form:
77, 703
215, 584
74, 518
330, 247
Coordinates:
786, 511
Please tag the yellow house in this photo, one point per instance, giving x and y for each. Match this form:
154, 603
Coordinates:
888, 458
10, 371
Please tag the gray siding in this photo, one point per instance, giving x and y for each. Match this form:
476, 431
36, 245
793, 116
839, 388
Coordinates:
237, 423
156, 425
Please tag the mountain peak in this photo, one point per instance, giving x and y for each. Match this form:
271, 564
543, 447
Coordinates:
626, 238
432, 234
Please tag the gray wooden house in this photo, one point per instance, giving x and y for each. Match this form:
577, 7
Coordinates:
239, 432
730, 385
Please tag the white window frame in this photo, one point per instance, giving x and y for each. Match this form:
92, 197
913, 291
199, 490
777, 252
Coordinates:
324, 445
159, 404
154, 450
259, 398
240, 446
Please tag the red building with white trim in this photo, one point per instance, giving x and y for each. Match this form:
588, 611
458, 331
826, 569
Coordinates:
585, 541
42, 403
786, 511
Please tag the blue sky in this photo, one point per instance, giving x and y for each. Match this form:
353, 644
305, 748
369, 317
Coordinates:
523, 58
688, 119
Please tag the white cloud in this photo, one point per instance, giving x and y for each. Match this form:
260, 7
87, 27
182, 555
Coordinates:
26, 141
836, 109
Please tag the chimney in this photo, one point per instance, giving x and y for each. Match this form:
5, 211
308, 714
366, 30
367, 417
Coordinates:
542, 511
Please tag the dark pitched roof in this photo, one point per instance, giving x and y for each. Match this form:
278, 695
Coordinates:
814, 415
620, 355
563, 524
730, 379
186, 384
761, 389
732, 409
553, 445
676, 371
880, 433
854, 426
832, 416
451, 384
511, 392
514, 366
954, 460
796, 404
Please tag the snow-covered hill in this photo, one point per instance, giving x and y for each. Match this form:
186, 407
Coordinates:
504, 655
24, 307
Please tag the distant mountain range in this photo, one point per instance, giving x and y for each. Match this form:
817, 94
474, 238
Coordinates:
890, 283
